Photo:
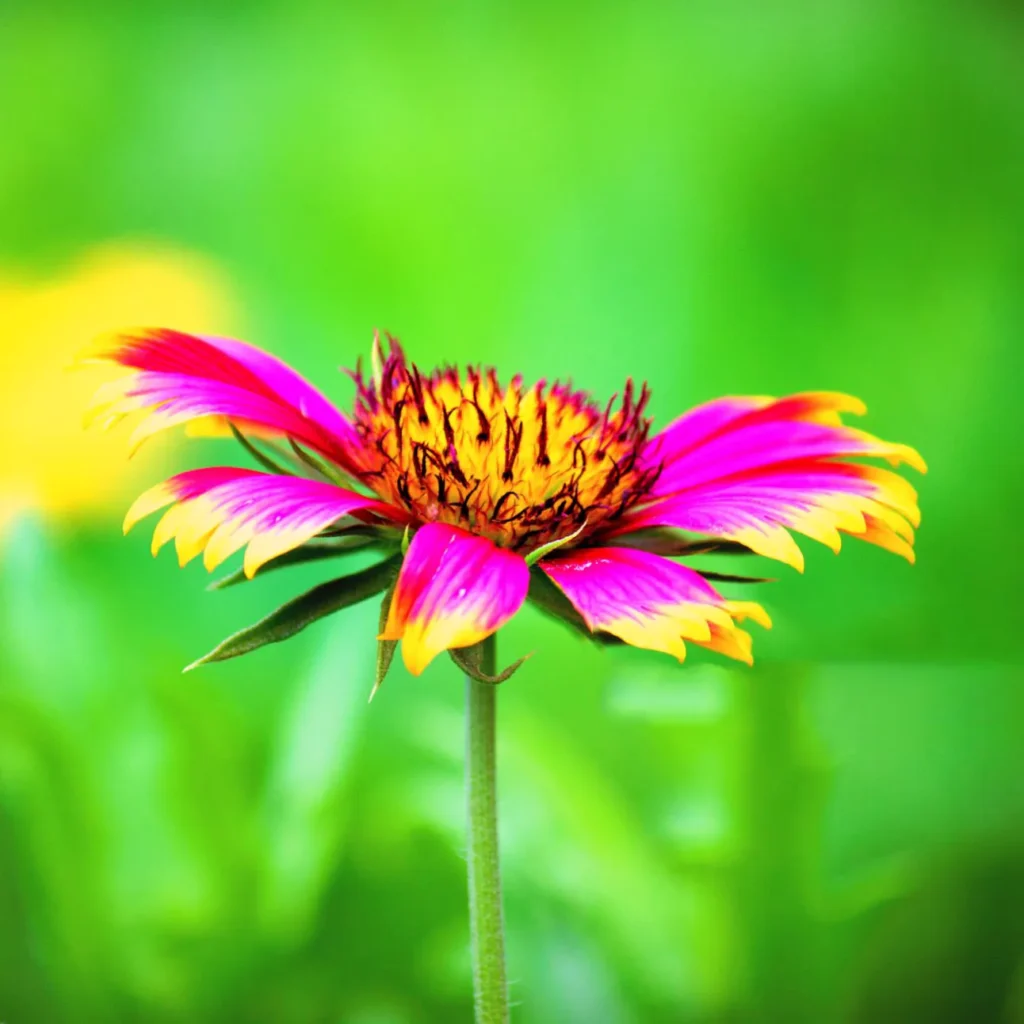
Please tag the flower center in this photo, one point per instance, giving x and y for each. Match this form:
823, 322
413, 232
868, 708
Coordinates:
521, 466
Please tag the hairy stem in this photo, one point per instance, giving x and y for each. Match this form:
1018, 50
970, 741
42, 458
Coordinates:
487, 928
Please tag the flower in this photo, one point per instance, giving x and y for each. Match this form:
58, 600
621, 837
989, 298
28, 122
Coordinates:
45, 466
499, 493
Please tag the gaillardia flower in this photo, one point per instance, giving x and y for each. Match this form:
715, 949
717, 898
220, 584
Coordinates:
486, 494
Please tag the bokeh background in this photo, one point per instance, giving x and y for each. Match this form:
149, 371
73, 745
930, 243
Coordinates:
719, 198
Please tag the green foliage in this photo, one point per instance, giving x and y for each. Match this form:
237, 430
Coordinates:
385, 648
294, 616
314, 551
715, 198
469, 663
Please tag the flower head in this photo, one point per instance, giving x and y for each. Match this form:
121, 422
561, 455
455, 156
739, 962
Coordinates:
496, 493
521, 466
46, 465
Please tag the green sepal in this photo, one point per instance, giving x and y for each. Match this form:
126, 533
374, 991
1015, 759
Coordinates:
296, 615
313, 551
317, 465
552, 545
550, 600
716, 547
727, 577
385, 648
671, 544
261, 457
471, 666
377, 359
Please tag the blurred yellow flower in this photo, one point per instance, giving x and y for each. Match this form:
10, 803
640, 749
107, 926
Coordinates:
47, 462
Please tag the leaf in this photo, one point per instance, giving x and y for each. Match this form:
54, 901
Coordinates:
553, 545
725, 577
471, 667
349, 526
325, 470
716, 547
313, 551
296, 615
670, 543
263, 459
385, 648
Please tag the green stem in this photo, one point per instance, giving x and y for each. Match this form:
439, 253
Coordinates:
487, 929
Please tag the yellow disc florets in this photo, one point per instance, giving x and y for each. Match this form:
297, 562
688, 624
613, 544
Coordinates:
521, 466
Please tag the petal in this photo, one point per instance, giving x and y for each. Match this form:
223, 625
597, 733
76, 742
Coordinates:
651, 602
750, 470
223, 509
184, 377
695, 426
454, 590
704, 423
770, 431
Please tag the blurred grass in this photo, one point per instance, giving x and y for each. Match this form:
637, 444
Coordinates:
718, 198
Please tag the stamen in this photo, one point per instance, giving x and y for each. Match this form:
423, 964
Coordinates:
542, 440
496, 514
396, 414
484, 433
458, 459
403, 489
513, 439
416, 383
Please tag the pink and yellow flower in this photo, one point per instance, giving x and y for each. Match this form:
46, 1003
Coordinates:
502, 493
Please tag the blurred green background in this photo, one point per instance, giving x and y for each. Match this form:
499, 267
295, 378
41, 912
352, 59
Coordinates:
719, 198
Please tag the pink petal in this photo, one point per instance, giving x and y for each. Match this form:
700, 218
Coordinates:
693, 427
454, 590
222, 509
751, 469
650, 601
182, 377
291, 386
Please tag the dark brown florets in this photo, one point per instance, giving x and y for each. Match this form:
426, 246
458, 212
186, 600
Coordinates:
522, 466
